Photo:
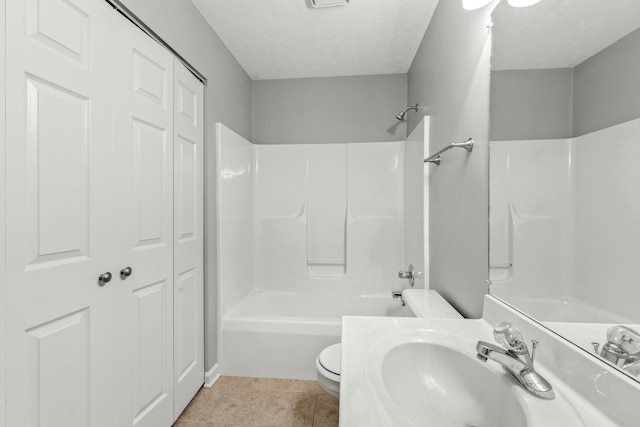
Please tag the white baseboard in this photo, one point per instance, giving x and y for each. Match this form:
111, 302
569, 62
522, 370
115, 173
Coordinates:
212, 375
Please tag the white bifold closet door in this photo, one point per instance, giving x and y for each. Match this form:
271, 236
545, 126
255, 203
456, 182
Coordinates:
143, 173
66, 364
104, 157
188, 235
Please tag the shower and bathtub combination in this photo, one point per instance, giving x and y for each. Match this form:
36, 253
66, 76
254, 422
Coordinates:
552, 219
307, 234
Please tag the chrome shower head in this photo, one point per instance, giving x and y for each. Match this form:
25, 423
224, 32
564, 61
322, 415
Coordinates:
402, 114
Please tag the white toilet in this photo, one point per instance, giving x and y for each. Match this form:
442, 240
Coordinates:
328, 369
426, 304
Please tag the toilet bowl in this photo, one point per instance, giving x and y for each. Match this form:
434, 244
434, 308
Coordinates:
328, 369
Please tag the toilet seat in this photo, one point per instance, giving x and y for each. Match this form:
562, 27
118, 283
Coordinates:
328, 362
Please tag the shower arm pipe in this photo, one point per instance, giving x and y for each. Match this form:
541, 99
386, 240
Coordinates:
435, 158
414, 108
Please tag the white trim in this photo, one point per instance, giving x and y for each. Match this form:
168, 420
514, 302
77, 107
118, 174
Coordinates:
211, 376
3, 310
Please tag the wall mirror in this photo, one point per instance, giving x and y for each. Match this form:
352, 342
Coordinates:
564, 168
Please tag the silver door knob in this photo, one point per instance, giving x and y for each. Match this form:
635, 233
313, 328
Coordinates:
126, 272
104, 278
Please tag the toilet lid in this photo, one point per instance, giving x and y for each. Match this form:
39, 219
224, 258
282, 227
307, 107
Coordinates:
329, 358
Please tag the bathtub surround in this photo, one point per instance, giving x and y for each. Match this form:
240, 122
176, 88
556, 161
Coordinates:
325, 207
551, 217
309, 233
323, 218
234, 211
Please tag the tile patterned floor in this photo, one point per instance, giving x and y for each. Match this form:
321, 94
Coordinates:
260, 402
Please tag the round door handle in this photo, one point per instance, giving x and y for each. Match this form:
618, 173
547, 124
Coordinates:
126, 272
104, 278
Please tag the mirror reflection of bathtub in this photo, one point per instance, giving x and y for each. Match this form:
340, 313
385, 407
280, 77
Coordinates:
565, 139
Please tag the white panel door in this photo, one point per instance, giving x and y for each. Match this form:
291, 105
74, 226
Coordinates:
143, 132
188, 301
58, 240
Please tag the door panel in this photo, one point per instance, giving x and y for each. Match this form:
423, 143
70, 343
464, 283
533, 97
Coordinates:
71, 39
150, 79
186, 180
58, 175
58, 193
188, 237
59, 359
143, 131
149, 174
151, 322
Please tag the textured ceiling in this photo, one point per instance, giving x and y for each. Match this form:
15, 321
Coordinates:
558, 33
278, 39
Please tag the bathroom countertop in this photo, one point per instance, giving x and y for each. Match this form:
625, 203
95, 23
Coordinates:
361, 404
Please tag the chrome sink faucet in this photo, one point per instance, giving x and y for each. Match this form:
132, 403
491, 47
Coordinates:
621, 349
515, 359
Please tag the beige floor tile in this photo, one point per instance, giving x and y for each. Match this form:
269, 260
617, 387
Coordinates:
287, 409
199, 408
327, 410
298, 386
261, 402
244, 407
181, 423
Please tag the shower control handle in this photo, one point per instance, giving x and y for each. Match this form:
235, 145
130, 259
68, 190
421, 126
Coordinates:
104, 278
407, 274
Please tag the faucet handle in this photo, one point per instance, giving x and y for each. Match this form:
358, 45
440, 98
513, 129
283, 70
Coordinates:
625, 338
509, 336
408, 274
534, 345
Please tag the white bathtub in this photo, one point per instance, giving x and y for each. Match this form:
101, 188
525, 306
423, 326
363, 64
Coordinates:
278, 335
561, 309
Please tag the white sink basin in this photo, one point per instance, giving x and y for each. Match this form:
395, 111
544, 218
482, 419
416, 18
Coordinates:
430, 377
429, 381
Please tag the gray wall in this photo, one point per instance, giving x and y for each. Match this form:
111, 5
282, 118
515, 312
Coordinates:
531, 104
333, 109
607, 88
546, 104
227, 100
449, 77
